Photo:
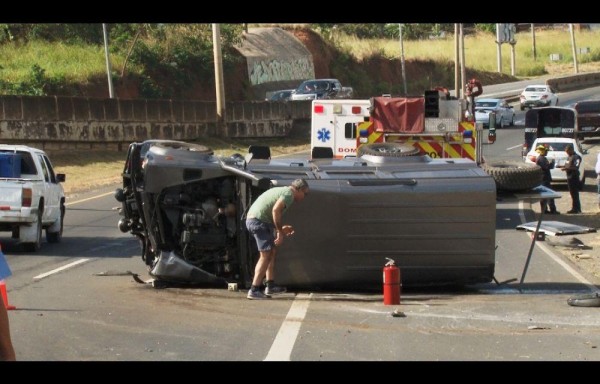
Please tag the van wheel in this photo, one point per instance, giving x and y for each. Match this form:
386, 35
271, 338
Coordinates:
512, 176
387, 150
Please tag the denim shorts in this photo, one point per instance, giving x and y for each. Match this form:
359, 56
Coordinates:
264, 233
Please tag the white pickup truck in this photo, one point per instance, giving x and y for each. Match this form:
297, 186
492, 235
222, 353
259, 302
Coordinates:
31, 196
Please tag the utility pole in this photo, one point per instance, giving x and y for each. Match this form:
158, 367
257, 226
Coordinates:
574, 48
533, 42
463, 74
499, 28
220, 87
513, 69
402, 60
457, 81
108, 68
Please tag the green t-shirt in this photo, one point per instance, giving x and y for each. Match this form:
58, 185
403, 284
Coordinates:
262, 208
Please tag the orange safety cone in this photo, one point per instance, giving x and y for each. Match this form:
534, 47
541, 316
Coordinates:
5, 296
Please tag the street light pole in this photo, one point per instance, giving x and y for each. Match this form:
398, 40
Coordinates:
108, 68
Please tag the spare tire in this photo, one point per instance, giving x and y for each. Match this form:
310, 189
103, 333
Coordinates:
514, 176
387, 150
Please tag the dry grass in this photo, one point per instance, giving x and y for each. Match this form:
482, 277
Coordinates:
481, 50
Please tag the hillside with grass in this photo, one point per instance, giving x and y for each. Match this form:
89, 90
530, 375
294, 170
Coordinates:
176, 61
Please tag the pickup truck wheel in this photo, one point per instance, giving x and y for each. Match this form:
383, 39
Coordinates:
36, 245
56, 237
387, 150
513, 176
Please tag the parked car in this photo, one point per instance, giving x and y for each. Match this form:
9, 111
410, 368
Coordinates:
322, 89
505, 114
538, 96
556, 151
281, 95
588, 118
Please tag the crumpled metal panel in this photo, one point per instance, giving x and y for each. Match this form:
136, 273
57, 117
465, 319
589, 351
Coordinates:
174, 269
555, 228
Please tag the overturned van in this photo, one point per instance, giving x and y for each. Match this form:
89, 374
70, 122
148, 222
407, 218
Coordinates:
435, 217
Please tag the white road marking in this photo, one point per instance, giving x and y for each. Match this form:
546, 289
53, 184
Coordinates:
283, 344
90, 198
514, 147
513, 318
81, 261
52, 272
553, 256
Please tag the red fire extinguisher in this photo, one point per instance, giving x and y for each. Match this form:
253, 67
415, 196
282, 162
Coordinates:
391, 283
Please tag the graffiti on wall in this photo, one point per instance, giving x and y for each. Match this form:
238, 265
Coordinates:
262, 71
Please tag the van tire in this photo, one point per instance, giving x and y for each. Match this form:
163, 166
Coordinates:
513, 176
387, 150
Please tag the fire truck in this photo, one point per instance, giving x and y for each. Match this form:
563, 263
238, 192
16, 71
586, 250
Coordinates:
434, 124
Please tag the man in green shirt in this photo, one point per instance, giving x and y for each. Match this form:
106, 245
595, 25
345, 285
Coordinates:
264, 222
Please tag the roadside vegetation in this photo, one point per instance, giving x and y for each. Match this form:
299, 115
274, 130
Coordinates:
174, 60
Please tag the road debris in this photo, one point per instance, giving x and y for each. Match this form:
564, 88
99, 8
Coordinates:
398, 313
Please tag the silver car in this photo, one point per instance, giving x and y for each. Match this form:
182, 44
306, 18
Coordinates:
505, 114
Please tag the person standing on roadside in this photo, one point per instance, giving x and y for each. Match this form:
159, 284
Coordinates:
264, 222
546, 205
573, 182
597, 168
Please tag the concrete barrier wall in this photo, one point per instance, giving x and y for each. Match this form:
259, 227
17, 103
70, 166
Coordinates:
54, 122
573, 82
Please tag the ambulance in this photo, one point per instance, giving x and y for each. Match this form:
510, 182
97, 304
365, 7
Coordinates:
434, 124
